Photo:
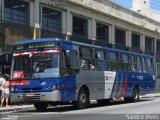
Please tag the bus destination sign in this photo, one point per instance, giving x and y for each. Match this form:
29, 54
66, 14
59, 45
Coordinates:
35, 45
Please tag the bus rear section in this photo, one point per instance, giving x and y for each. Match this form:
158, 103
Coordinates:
106, 85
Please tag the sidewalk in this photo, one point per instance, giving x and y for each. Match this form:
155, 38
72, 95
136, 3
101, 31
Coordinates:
152, 95
15, 108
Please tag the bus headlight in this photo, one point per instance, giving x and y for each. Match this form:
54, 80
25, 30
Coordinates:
12, 89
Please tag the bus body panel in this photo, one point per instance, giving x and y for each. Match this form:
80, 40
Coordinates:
32, 97
115, 84
101, 85
94, 80
45, 90
69, 89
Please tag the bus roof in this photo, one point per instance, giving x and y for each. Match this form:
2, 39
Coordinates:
82, 44
37, 40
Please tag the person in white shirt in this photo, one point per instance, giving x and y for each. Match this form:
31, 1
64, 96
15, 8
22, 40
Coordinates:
5, 93
91, 66
2, 82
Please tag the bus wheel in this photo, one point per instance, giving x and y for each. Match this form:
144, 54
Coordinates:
103, 101
40, 106
83, 99
135, 96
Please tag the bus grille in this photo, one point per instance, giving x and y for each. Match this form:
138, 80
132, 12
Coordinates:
26, 90
33, 97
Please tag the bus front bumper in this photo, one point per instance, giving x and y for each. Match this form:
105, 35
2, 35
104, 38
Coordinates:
54, 96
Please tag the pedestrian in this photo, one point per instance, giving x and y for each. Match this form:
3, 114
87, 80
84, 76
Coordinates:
91, 66
5, 93
2, 82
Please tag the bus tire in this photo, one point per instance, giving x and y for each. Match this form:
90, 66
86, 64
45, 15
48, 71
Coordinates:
103, 101
83, 99
41, 106
135, 96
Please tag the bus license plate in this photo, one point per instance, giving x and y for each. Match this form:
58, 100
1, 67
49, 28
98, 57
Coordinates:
29, 94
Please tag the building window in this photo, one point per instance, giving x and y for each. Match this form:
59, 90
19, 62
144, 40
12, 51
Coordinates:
102, 32
120, 36
16, 11
51, 20
80, 27
149, 44
158, 46
136, 41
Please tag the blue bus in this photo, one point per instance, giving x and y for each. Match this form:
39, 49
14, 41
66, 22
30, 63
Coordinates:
52, 71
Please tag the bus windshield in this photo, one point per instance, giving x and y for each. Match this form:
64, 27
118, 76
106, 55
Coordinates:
33, 66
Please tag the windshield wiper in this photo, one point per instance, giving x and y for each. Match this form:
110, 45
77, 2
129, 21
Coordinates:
33, 69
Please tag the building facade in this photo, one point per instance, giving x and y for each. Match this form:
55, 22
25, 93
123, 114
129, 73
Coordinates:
144, 7
99, 22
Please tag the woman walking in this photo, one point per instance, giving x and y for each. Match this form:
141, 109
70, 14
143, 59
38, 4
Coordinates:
5, 93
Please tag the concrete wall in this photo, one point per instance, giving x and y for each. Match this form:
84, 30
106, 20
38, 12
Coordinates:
142, 7
113, 10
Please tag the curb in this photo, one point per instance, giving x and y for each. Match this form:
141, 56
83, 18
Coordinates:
157, 96
16, 108
151, 95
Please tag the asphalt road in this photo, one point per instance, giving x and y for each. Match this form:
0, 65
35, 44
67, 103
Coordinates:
146, 109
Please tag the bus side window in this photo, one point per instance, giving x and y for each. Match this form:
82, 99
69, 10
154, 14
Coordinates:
83, 63
132, 63
65, 64
124, 58
112, 59
99, 55
74, 59
91, 52
118, 64
112, 56
71, 62
125, 62
86, 52
143, 65
119, 57
149, 65
99, 61
106, 62
80, 52
139, 67
106, 55
67, 59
